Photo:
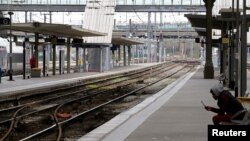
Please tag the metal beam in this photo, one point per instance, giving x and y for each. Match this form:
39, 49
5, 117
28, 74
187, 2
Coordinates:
160, 8
165, 34
42, 8
118, 8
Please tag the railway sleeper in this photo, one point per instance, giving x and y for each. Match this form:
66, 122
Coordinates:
44, 119
140, 82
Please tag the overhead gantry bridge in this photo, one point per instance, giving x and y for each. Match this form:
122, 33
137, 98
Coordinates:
146, 6
121, 5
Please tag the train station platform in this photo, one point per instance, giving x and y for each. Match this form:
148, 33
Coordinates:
22, 85
175, 113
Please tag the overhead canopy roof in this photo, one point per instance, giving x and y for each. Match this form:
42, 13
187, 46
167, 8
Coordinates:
201, 31
199, 22
59, 30
125, 41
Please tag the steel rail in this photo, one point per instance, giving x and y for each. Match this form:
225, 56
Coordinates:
11, 125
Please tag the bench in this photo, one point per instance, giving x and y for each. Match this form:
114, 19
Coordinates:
245, 101
244, 121
35, 72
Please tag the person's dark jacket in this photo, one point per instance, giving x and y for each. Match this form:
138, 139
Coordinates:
227, 104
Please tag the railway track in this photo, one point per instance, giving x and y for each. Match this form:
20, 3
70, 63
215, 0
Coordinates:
73, 90
49, 117
57, 91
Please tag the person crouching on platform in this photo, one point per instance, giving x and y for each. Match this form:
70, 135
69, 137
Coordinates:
227, 103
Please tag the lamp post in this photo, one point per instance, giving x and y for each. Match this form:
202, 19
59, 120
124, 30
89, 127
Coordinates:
10, 56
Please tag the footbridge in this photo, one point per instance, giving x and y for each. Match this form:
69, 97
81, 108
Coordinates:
121, 5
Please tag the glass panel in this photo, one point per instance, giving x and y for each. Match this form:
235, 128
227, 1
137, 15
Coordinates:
186, 2
196, 2
36, 1
177, 2
129, 2
64, 1
53, 1
120, 2
167, 2
158, 2
72, 2
43, 2
32, 2
5, 1
82, 2
138, 2
148, 2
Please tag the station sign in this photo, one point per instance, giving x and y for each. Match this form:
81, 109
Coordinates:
4, 21
225, 40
